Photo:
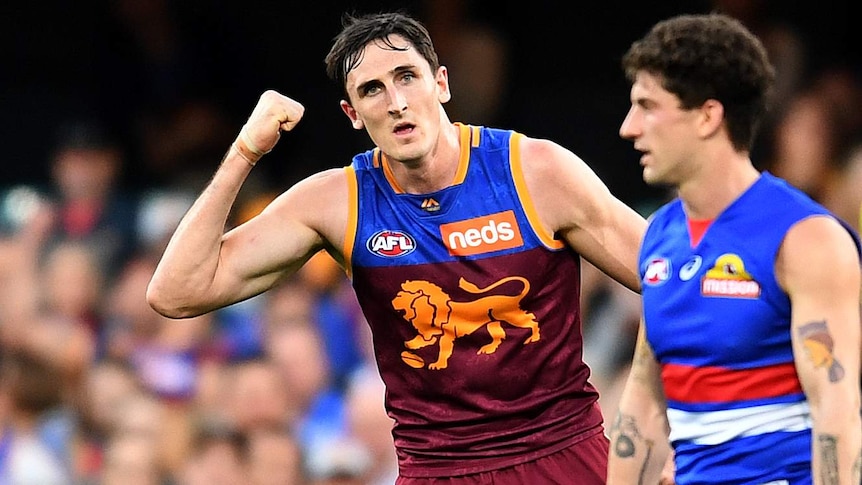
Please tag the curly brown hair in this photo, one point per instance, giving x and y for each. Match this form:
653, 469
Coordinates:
709, 56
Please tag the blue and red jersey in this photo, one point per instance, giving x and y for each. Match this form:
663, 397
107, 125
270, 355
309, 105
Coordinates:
719, 324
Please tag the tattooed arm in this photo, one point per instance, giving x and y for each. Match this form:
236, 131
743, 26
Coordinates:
818, 266
639, 446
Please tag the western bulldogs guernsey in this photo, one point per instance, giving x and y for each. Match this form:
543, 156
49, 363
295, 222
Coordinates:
474, 314
720, 327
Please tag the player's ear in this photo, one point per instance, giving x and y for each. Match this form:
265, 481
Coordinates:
442, 80
712, 117
351, 113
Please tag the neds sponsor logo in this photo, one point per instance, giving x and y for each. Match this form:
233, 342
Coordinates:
484, 234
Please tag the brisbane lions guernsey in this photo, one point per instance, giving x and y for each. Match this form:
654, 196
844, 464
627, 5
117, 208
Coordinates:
474, 313
719, 324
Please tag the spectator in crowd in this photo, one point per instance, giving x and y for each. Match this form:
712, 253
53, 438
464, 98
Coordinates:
131, 459
108, 384
370, 426
337, 316
257, 396
49, 296
218, 456
30, 388
274, 458
315, 406
92, 204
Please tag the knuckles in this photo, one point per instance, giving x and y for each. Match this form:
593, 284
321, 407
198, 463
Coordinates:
284, 109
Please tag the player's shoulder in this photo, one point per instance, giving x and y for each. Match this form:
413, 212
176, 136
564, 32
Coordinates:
532, 147
817, 252
323, 190
821, 232
330, 179
555, 166
547, 157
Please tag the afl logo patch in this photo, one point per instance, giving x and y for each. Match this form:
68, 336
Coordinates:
657, 271
391, 244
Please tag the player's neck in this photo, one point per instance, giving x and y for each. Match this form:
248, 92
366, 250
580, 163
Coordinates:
436, 170
716, 186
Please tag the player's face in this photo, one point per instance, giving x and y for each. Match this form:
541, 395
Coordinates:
662, 131
396, 97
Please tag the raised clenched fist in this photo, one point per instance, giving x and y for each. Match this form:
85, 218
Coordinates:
274, 112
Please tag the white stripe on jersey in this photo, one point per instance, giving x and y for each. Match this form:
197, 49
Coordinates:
716, 427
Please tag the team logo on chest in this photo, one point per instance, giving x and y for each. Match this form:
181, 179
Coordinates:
439, 321
729, 279
391, 244
657, 271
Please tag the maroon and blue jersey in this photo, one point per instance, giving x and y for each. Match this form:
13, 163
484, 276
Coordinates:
474, 312
719, 324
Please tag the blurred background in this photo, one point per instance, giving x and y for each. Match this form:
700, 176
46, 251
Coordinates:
115, 113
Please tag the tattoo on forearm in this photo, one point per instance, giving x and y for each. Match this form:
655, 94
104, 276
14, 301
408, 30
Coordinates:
624, 433
626, 439
828, 448
820, 347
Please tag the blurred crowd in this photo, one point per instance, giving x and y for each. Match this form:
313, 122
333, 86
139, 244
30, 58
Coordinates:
98, 389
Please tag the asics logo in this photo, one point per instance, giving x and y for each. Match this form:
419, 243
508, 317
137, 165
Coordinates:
480, 235
690, 268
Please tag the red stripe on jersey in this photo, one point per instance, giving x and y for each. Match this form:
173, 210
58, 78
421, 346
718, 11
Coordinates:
690, 384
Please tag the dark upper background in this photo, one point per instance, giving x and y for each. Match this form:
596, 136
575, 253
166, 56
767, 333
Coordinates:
560, 79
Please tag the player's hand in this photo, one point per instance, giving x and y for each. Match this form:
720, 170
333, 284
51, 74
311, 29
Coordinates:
273, 114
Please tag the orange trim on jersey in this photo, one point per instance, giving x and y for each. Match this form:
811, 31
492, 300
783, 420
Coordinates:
375, 158
387, 172
465, 135
352, 219
474, 136
524, 196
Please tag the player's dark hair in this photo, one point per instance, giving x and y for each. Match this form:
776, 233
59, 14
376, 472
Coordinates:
710, 56
348, 46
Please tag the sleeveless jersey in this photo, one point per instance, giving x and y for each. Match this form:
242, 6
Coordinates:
474, 312
719, 324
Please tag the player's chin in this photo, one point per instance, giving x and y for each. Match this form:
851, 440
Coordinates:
650, 177
407, 153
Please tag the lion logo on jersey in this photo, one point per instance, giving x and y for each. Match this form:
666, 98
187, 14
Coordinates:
438, 319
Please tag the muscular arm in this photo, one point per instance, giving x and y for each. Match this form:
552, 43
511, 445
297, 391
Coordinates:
203, 268
819, 269
639, 446
573, 203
